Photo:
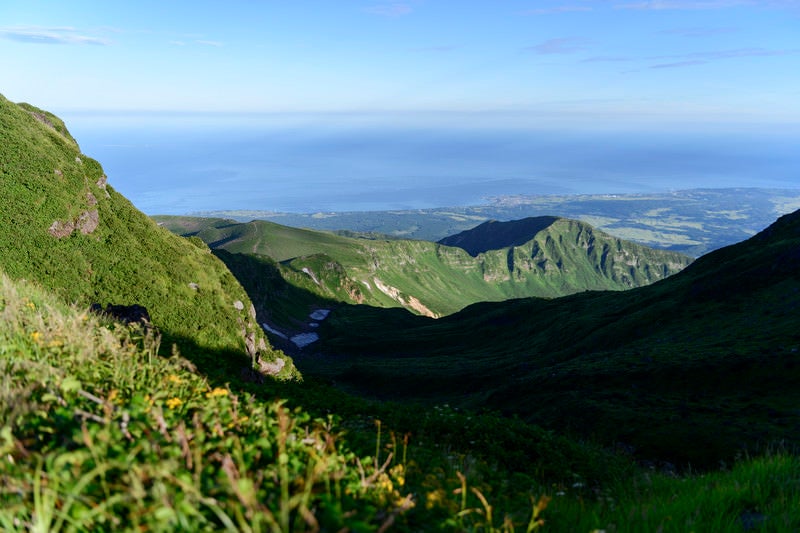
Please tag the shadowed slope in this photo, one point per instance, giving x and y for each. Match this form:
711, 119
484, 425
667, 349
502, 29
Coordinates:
494, 235
689, 369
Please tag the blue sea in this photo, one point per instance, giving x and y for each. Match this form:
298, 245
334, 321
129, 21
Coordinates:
172, 163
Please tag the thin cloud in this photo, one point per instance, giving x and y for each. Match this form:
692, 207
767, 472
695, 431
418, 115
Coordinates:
701, 58
390, 10
557, 9
444, 48
679, 64
209, 43
699, 32
607, 59
562, 45
732, 54
657, 5
50, 35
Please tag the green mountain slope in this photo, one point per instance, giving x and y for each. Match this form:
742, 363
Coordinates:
556, 259
690, 369
494, 235
62, 225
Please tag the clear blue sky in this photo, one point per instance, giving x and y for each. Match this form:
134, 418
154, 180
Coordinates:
703, 60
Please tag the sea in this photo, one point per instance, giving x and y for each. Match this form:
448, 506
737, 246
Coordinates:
184, 163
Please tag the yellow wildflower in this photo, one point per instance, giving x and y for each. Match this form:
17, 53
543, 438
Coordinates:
36, 336
172, 403
31, 305
217, 391
172, 378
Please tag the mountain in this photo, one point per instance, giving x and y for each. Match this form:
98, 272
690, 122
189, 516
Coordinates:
693, 368
64, 226
494, 235
692, 222
546, 260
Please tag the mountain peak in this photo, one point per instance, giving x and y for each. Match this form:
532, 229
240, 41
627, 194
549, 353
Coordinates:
496, 235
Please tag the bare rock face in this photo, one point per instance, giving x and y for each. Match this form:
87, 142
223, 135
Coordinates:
86, 223
101, 184
271, 368
60, 229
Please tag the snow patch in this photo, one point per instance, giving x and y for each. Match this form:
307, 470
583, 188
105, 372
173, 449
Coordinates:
308, 271
320, 314
301, 340
274, 331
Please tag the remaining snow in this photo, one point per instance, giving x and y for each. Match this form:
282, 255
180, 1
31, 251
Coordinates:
311, 275
302, 340
274, 331
320, 314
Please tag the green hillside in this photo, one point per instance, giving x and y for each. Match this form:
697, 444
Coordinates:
103, 427
555, 259
64, 226
690, 369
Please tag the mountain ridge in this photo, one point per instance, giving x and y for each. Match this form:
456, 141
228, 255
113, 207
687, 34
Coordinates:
63, 225
435, 279
678, 360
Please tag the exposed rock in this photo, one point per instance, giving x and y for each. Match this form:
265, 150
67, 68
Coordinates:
101, 183
58, 173
194, 286
41, 117
238, 305
90, 199
88, 221
271, 368
250, 343
60, 229
252, 311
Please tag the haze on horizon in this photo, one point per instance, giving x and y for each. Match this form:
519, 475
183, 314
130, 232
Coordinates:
580, 62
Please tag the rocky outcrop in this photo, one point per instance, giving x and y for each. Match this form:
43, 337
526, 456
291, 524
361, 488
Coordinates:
85, 223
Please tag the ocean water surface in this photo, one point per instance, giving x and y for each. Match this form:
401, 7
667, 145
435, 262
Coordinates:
185, 163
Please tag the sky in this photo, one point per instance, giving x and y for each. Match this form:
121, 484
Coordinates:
713, 61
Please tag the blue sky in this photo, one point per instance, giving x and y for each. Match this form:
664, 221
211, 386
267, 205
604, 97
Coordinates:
714, 61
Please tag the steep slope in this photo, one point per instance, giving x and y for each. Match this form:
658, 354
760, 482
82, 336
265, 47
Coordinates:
690, 369
495, 235
555, 259
63, 226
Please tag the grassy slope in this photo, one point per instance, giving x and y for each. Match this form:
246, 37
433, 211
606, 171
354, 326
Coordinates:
99, 433
126, 259
689, 369
563, 258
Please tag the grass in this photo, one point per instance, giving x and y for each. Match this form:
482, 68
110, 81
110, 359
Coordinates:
101, 433
126, 259
630, 367
563, 257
